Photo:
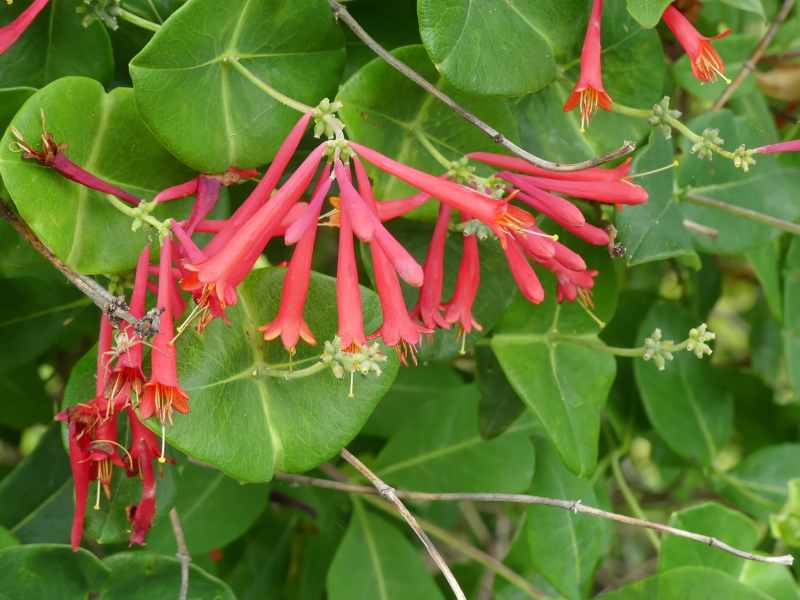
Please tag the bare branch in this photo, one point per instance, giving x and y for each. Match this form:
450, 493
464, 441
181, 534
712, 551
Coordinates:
750, 64
575, 506
389, 494
341, 13
700, 229
743, 212
182, 554
104, 299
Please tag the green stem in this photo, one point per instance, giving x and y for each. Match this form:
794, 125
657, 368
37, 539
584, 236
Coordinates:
136, 212
432, 150
135, 19
464, 548
266, 88
745, 213
293, 374
629, 111
630, 498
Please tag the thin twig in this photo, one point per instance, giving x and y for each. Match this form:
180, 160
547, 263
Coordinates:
745, 213
340, 12
750, 65
389, 494
575, 506
182, 554
700, 229
104, 299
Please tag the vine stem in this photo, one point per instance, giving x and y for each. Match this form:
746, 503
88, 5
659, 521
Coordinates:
574, 506
341, 13
630, 498
135, 19
266, 88
745, 213
750, 65
388, 493
183, 553
104, 299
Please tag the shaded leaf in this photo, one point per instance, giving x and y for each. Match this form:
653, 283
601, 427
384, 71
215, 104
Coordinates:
791, 311
441, 449
500, 405
687, 583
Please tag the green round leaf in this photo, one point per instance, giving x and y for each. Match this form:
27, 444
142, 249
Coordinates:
647, 12
55, 45
136, 575
50, 571
386, 111
203, 110
10, 101
523, 38
105, 136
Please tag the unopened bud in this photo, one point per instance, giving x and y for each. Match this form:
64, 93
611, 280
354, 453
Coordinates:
698, 336
656, 350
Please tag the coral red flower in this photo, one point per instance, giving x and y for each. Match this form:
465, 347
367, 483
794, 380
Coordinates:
348, 294
527, 281
10, 33
391, 209
790, 146
610, 192
289, 323
428, 308
144, 449
221, 273
589, 91
520, 165
705, 60
459, 308
163, 394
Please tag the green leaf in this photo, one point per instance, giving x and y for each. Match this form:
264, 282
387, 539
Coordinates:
687, 583
10, 101
203, 110
774, 580
457, 34
263, 424
441, 449
753, 6
32, 321
758, 484
19, 259
647, 12
709, 518
385, 111
50, 571
634, 74
204, 501
688, 409
767, 188
105, 136
551, 357
791, 311
137, 575
411, 389
375, 560
497, 288
7, 539
581, 540
734, 51
654, 231
500, 405
25, 401
55, 45
36, 497
766, 261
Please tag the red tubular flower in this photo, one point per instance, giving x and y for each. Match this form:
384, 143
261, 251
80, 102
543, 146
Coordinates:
207, 196
527, 281
458, 197
358, 211
590, 233
348, 295
705, 60
290, 324
569, 259
163, 394
176, 192
144, 448
571, 283
391, 209
459, 308
309, 214
398, 329
262, 192
513, 163
127, 373
220, 273
589, 91
428, 308
562, 211
81, 466
609, 192
10, 33
406, 265
790, 146
534, 241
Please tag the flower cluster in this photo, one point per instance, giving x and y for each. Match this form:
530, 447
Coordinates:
589, 92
